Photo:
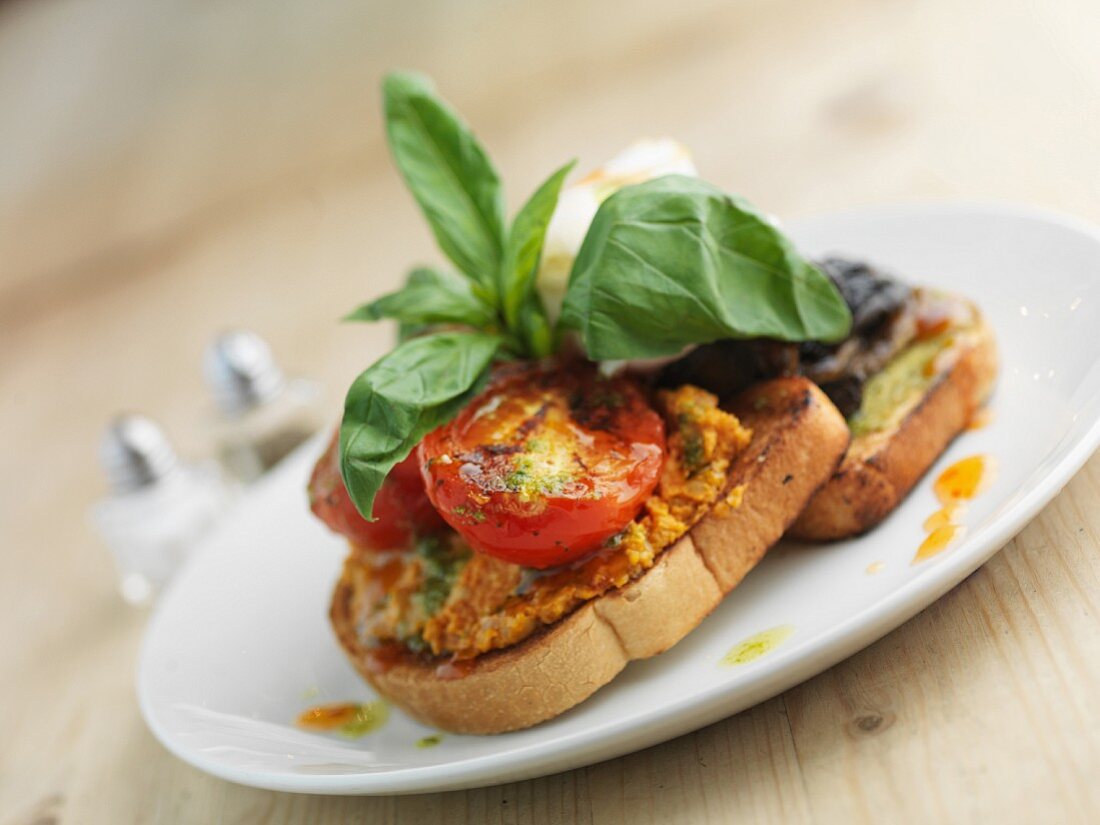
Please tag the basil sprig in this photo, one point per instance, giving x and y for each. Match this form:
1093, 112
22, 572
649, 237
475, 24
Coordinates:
675, 261
491, 310
459, 192
665, 264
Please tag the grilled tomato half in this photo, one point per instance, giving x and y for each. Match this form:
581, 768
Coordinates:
401, 508
546, 464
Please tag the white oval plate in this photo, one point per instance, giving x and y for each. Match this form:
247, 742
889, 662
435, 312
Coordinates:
240, 644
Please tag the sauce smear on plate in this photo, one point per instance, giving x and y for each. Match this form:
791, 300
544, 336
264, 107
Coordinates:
955, 486
349, 718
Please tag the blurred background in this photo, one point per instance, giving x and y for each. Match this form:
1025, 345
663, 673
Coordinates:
171, 169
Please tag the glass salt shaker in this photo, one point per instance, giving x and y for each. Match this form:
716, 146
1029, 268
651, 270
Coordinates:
158, 507
261, 414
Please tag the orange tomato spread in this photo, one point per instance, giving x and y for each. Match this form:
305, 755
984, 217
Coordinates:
445, 600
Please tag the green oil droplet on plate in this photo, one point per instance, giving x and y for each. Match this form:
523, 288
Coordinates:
368, 718
429, 741
756, 646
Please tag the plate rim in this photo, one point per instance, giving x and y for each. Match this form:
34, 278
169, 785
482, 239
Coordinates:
781, 671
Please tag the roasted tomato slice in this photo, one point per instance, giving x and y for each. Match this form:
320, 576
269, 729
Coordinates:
401, 508
546, 464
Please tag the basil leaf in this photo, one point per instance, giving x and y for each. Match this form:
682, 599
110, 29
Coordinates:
450, 176
535, 328
403, 396
408, 331
675, 261
429, 297
521, 261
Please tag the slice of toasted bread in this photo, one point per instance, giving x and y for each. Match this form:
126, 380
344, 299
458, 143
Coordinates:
798, 439
881, 467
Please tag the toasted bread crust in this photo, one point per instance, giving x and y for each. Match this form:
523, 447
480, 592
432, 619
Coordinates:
798, 439
881, 468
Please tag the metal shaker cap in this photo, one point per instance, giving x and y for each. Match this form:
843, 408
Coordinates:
241, 371
134, 453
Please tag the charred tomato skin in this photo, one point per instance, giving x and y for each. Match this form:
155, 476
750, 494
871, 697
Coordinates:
402, 510
546, 464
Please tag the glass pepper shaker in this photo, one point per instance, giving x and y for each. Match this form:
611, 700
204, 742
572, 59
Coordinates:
158, 507
261, 414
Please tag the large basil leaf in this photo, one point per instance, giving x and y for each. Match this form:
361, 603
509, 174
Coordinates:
429, 297
449, 174
523, 311
675, 261
403, 396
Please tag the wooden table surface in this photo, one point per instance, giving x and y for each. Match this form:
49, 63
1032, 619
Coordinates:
225, 167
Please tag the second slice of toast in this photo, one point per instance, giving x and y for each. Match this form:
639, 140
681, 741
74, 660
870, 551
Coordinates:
881, 467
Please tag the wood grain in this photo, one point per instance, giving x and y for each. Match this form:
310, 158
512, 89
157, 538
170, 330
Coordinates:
234, 196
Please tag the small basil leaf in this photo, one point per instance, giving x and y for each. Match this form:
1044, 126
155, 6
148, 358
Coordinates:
407, 331
675, 261
429, 297
403, 396
523, 250
449, 174
535, 328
